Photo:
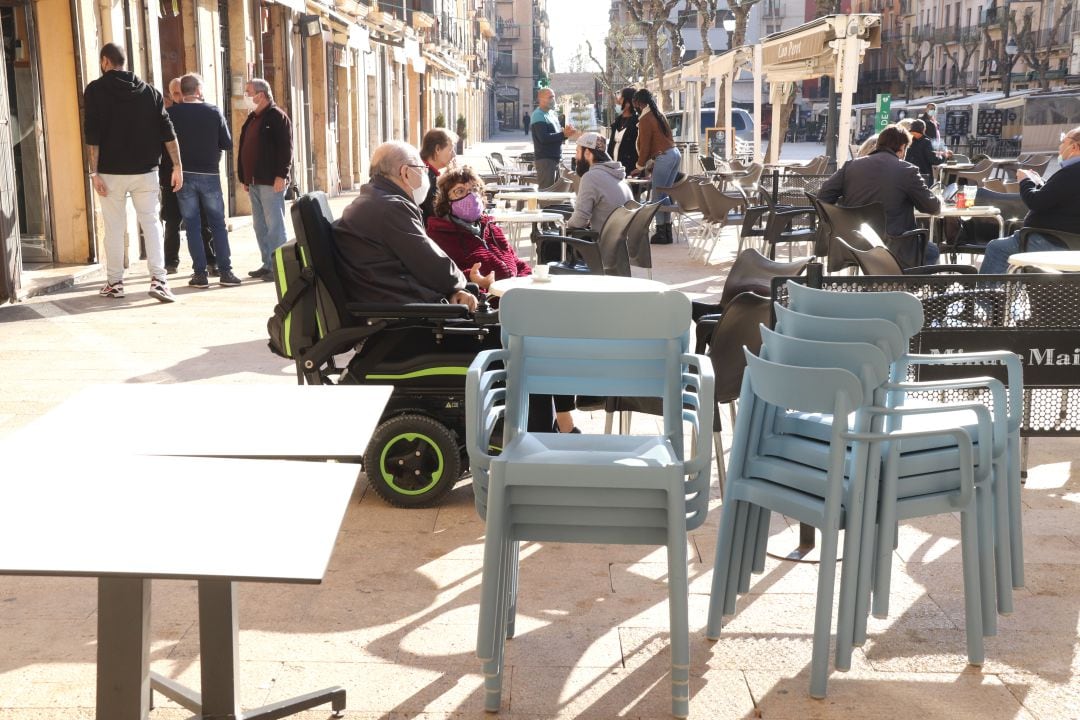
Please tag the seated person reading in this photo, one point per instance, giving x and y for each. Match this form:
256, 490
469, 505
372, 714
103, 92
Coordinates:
469, 236
384, 255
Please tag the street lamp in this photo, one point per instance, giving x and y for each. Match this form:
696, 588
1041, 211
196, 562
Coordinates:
909, 71
1010, 53
729, 26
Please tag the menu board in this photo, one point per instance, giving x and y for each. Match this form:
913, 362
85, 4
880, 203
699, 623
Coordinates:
990, 122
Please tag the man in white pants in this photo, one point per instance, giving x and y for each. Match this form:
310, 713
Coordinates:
126, 124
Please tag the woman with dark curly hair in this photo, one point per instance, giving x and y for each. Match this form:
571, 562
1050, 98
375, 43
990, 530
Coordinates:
472, 239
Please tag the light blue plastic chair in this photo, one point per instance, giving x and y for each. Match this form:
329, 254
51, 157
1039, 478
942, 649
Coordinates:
919, 474
633, 489
830, 497
924, 466
905, 310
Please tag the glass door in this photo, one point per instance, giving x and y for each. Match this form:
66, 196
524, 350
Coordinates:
26, 130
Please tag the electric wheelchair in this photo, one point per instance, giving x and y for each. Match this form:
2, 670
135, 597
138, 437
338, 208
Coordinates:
417, 452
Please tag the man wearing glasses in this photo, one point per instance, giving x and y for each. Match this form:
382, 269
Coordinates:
385, 254
1051, 205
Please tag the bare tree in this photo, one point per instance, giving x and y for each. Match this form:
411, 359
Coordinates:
623, 65
917, 51
741, 10
967, 45
1004, 61
706, 10
652, 18
1037, 51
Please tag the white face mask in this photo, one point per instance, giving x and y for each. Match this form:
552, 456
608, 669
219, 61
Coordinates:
419, 194
248, 103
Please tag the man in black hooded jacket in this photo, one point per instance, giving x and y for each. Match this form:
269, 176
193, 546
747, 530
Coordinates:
126, 124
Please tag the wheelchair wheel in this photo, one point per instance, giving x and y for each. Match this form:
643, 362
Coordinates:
412, 461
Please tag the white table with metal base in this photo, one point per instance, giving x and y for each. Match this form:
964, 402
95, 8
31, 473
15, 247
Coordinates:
1049, 260
975, 211
130, 519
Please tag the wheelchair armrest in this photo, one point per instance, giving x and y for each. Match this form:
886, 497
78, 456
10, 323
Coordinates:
390, 311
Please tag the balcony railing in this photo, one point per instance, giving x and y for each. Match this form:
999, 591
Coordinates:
508, 31
506, 68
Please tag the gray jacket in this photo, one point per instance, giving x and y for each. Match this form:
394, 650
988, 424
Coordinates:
602, 189
385, 256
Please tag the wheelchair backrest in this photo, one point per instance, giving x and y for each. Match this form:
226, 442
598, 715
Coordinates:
312, 220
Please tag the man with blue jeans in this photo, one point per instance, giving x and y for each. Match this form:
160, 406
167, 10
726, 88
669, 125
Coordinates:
1051, 205
203, 133
263, 165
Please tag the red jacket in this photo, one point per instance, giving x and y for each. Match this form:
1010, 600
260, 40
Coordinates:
465, 249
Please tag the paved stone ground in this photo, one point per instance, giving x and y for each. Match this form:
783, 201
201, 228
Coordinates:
395, 619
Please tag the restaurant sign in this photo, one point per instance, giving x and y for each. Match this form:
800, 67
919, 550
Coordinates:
1051, 358
797, 48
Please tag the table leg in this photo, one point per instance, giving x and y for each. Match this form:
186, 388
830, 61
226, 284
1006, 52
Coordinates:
123, 649
219, 653
220, 659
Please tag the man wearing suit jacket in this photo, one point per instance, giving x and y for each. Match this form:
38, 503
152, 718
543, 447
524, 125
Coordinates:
883, 176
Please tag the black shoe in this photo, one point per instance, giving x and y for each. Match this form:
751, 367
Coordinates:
199, 280
228, 278
555, 429
211, 270
171, 269
662, 236
261, 272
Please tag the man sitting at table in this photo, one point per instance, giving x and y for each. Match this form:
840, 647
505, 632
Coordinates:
384, 253
883, 176
1051, 205
603, 183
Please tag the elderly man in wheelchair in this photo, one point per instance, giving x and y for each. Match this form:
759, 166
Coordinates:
373, 292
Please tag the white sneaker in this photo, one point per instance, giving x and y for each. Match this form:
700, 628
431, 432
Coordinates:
112, 290
159, 290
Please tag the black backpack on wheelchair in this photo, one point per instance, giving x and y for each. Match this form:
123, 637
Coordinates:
416, 454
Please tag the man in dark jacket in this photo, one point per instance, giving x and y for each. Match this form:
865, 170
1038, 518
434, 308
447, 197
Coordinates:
1051, 206
384, 254
929, 118
548, 136
262, 164
126, 124
921, 152
203, 135
884, 177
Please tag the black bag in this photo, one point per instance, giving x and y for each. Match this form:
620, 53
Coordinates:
294, 326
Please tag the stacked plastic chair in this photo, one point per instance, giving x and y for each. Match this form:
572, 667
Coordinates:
543, 487
905, 311
828, 481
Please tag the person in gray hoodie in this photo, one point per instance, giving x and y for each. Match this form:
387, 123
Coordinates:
603, 183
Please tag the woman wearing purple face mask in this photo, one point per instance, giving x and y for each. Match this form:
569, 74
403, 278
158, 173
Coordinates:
467, 235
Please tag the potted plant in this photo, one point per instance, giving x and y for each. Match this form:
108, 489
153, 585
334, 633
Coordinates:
461, 133
440, 121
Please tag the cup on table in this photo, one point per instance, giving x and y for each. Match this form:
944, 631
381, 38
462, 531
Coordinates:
969, 195
540, 273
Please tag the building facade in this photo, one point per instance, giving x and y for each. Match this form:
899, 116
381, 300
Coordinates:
523, 59
349, 73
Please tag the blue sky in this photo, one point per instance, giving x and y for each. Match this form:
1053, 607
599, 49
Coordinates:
574, 21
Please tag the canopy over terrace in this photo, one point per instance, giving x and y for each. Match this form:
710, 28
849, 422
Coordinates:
829, 46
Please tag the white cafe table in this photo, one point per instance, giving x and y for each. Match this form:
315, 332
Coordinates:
516, 221
593, 283
1052, 260
533, 199
975, 211
129, 519
235, 420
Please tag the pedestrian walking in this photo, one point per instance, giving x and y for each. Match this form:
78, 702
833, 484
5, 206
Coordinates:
656, 151
525, 121
203, 134
125, 125
263, 163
